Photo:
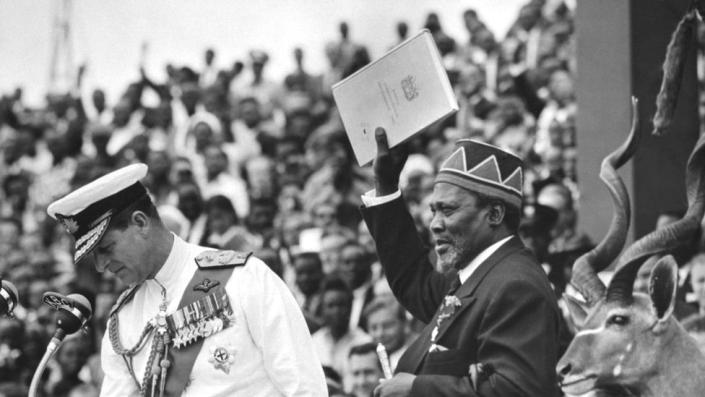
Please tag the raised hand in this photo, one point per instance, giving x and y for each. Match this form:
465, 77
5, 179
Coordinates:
388, 164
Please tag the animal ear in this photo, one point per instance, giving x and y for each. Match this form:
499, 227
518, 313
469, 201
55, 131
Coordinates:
577, 309
662, 289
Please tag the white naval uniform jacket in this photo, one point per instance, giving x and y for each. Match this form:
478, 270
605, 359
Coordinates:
269, 344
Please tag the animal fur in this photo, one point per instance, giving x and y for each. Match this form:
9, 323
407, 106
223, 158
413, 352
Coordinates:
681, 43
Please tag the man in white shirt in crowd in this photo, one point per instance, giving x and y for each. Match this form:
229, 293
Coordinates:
365, 369
387, 324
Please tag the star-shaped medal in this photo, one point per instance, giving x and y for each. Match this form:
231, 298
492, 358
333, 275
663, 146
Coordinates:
222, 358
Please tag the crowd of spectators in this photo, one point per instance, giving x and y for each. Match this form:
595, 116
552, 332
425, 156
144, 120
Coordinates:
239, 161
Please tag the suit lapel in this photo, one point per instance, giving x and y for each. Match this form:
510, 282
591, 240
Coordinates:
465, 302
412, 359
470, 285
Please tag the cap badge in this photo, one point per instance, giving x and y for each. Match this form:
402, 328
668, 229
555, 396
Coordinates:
68, 222
222, 358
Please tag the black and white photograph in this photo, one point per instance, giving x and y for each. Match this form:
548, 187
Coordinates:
352, 198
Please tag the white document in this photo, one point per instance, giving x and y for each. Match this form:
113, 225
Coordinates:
404, 91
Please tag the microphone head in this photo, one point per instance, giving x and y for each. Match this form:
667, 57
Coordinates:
74, 310
81, 303
68, 321
8, 297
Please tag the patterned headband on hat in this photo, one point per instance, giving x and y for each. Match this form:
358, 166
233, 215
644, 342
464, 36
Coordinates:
485, 169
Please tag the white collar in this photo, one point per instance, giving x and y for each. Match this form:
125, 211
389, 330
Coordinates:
468, 270
171, 269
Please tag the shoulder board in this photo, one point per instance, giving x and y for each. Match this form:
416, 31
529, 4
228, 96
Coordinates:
220, 259
123, 299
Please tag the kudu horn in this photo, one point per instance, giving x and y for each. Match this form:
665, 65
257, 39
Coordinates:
663, 241
585, 269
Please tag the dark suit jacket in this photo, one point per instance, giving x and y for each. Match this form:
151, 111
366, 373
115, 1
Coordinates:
508, 320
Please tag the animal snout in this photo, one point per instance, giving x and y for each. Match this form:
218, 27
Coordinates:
562, 370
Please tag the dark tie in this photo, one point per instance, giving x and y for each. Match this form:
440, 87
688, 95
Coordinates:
454, 285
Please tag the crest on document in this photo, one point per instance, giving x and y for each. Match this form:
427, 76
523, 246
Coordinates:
408, 84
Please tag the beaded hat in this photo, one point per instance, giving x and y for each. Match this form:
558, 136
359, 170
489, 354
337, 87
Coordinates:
486, 169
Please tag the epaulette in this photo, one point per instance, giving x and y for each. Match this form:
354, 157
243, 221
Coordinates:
123, 299
221, 259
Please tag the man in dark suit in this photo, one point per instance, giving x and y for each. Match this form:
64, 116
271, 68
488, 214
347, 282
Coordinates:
492, 321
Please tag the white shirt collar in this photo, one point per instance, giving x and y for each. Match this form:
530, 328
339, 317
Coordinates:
468, 270
172, 267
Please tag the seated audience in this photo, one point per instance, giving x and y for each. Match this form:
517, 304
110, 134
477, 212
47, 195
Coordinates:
387, 324
335, 338
365, 369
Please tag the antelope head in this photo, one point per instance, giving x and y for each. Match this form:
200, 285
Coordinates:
626, 340
620, 343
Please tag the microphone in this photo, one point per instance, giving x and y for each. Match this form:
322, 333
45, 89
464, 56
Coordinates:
74, 311
8, 297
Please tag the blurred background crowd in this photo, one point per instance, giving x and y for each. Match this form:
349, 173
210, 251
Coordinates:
240, 161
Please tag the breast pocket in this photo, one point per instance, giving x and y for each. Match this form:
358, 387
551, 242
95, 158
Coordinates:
449, 362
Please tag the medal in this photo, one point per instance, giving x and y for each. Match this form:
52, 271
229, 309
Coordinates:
200, 319
222, 358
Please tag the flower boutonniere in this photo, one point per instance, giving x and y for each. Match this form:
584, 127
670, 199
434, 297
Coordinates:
448, 307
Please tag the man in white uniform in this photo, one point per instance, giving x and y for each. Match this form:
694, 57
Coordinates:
194, 322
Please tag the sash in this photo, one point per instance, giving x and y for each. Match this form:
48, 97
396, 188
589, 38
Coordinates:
211, 274
203, 311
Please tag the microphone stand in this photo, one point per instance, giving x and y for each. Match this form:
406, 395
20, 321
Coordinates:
73, 312
48, 354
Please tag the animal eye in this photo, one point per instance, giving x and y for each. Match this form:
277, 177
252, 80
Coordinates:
618, 320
